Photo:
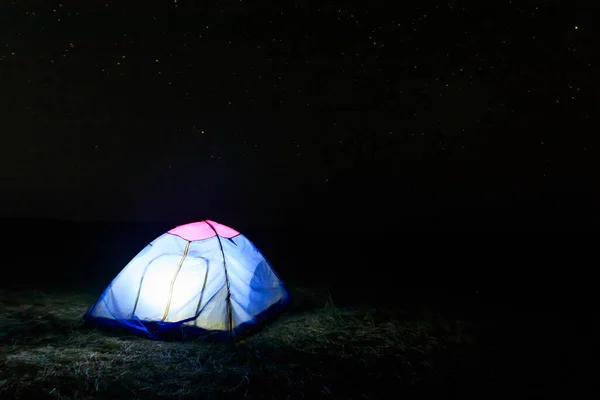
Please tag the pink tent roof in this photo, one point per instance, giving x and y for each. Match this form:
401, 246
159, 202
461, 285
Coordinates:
202, 230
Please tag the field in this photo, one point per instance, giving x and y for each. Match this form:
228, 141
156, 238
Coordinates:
484, 318
314, 350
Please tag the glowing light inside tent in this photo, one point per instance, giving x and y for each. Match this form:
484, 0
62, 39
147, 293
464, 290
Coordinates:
188, 280
155, 288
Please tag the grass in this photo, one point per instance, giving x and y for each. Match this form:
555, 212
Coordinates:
314, 350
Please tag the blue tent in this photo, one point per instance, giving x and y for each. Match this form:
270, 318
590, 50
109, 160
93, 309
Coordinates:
202, 278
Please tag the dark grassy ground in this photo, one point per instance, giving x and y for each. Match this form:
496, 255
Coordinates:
382, 317
314, 350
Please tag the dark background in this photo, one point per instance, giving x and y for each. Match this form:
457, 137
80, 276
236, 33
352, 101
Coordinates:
432, 153
430, 148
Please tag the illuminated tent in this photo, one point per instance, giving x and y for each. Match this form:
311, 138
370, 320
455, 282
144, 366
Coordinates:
196, 279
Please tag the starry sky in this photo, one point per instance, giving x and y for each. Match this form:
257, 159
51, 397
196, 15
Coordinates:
253, 110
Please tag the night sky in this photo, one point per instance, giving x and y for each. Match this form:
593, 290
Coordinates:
254, 112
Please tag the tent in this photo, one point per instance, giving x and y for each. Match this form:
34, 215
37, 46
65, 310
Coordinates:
198, 279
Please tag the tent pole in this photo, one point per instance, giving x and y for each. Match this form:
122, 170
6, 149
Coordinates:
229, 311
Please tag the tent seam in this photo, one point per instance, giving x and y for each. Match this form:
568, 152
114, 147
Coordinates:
229, 311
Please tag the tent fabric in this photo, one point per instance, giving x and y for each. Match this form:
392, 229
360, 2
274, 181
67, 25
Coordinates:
190, 282
203, 230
